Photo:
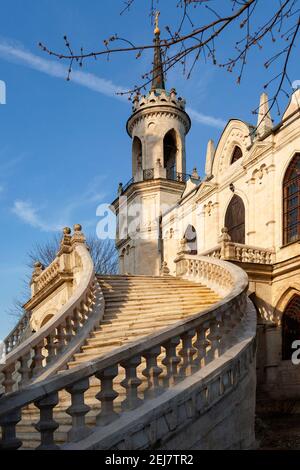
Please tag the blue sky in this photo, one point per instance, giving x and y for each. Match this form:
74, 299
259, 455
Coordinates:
63, 145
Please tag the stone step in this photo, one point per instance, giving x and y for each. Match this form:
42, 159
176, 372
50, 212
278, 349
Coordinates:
180, 305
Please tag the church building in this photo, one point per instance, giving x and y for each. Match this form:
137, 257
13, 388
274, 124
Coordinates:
245, 210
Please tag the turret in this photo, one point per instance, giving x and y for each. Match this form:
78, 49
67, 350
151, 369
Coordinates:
157, 126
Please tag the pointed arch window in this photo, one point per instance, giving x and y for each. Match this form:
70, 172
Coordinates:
291, 201
235, 220
290, 327
191, 239
236, 154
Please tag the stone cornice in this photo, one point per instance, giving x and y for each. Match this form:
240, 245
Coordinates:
44, 293
150, 186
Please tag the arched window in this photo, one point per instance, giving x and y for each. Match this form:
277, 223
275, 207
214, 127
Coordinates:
136, 155
291, 201
170, 151
236, 154
290, 327
191, 239
235, 220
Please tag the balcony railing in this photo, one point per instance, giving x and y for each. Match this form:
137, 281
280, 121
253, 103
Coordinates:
148, 174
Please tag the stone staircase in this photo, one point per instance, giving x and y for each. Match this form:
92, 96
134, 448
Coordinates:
135, 307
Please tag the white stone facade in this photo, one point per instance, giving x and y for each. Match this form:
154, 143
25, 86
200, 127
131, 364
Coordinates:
257, 178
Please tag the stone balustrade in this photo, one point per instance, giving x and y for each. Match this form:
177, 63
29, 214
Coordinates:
168, 358
47, 350
17, 334
232, 251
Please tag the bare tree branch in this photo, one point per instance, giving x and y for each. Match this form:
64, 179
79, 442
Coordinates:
200, 37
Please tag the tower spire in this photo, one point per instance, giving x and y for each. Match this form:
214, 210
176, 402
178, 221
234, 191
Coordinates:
158, 79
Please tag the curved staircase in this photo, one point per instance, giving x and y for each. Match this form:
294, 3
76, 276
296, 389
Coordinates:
128, 360
135, 306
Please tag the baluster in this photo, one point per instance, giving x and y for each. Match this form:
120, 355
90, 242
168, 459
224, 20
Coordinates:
187, 353
171, 361
107, 395
152, 372
47, 425
78, 410
214, 339
201, 345
131, 383
234, 321
9, 382
8, 422
60, 337
37, 364
76, 320
25, 369
84, 311
50, 347
69, 330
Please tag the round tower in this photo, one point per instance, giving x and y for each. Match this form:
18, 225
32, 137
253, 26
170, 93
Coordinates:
157, 126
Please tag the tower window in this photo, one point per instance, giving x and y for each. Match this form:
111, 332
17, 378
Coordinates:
170, 151
236, 154
136, 155
291, 201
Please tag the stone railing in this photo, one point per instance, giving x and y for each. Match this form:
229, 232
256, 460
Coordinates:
213, 252
47, 276
232, 251
168, 357
48, 350
17, 334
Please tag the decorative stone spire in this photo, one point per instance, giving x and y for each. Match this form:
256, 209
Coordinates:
210, 153
158, 79
264, 120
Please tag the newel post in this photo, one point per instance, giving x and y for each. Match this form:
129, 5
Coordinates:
224, 241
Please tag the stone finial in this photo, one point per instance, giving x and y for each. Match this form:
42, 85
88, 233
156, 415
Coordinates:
37, 270
120, 188
65, 244
195, 175
164, 269
225, 237
264, 120
78, 236
210, 153
173, 93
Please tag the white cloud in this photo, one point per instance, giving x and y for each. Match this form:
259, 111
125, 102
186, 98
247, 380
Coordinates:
62, 216
29, 214
207, 120
17, 53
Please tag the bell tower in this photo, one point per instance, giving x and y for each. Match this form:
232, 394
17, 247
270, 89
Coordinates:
157, 127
